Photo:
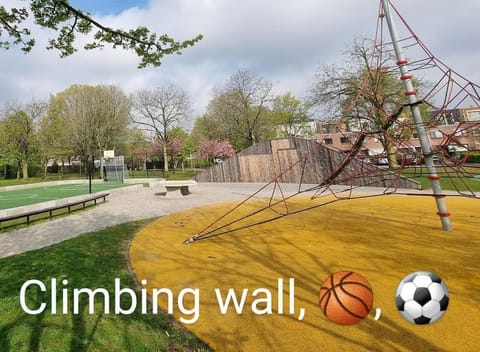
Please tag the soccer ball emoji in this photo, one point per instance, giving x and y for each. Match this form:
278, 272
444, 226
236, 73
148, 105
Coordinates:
422, 297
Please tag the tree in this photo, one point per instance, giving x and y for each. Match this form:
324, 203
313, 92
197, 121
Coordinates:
95, 117
4, 157
239, 112
369, 98
137, 147
68, 22
20, 140
210, 126
20, 134
290, 115
54, 136
133, 147
175, 150
188, 146
157, 111
212, 149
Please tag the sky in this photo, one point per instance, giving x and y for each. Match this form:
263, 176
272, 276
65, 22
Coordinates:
282, 41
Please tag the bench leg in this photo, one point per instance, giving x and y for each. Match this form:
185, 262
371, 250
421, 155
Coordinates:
184, 190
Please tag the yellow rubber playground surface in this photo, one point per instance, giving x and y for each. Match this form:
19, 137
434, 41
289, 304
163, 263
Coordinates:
382, 238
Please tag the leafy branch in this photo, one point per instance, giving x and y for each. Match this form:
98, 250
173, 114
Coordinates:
68, 22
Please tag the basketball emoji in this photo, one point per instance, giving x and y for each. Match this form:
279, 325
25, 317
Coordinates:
346, 297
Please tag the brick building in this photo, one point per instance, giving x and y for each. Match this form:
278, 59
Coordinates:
455, 130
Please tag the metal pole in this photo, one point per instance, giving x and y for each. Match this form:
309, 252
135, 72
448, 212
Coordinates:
90, 167
413, 102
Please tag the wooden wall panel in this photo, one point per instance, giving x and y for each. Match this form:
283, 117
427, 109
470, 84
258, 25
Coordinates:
269, 159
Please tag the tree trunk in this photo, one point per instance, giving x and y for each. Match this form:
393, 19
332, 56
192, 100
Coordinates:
391, 151
25, 170
102, 176
165, 157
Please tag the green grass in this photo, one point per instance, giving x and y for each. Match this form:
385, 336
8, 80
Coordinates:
170, 175
186, 174
21, 197
37, 179
469, 179
90, 261
9, 225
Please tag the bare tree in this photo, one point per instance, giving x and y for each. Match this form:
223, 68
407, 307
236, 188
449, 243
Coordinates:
366, 95
157, 111
240, 110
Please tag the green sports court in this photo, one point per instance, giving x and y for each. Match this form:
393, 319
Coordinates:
28, 196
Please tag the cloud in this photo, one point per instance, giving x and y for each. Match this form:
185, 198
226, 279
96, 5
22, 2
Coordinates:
282, 41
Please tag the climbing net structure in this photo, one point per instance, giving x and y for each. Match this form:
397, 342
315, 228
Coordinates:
450, 121
451, 111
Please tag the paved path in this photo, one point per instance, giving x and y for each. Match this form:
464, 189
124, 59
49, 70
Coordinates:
124, 206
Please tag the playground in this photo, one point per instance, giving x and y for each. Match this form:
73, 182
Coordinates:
383, 238
237, 262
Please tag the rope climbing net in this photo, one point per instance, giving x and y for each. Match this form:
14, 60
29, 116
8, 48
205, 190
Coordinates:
450, 116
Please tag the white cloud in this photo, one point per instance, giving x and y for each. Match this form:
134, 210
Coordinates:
281, 40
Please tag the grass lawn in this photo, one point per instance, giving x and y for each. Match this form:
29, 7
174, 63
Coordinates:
90, 261
469, 180
186, 174
10, 225
37, 179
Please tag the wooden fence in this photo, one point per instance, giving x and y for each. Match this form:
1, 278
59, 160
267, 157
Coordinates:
295, 160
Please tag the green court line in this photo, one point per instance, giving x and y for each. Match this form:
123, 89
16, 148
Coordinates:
22, 197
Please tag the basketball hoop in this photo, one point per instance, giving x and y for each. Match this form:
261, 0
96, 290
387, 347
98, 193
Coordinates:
108, 154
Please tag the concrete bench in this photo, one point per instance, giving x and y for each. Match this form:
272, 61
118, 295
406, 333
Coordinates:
28, 214
174, 189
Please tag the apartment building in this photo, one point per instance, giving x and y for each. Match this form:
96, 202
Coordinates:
455, 130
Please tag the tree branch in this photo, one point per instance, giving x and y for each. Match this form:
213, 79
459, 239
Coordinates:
51, 13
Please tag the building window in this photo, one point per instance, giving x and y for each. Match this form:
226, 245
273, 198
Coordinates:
473, 115
344, 140
325, 129
436, 134
328, 141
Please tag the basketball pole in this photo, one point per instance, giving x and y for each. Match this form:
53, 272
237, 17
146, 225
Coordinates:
413, 102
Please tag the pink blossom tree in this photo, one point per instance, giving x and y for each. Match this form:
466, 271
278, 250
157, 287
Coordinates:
214, 148
175, 148
142, 152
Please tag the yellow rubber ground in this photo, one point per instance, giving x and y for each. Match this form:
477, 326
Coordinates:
382, 238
